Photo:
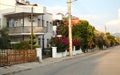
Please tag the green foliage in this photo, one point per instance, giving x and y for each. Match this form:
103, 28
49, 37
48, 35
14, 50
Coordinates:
100, 42
34, 41
62, 30
112, 39
4, 39
22, 45
26, 44
84, 32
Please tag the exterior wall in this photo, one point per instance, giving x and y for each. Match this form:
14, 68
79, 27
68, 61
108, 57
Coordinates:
49, 26
25, 9
5, 4
58, 17
27, 21
47, 19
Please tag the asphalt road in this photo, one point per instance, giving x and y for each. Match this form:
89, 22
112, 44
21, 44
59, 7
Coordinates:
105, 62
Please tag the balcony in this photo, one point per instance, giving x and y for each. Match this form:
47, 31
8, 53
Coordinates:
27, 9
19, 10
26, 30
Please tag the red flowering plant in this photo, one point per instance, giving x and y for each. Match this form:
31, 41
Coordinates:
76, 43
62, 43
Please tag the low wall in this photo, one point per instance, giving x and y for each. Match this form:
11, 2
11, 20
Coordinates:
63, 54
39, 54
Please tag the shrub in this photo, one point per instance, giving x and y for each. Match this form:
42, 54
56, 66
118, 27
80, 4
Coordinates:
34, 41
62, 43
22, 45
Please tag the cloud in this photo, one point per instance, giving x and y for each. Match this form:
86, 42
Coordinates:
57, 9
95, 20
114, 25
91, 17
119, 13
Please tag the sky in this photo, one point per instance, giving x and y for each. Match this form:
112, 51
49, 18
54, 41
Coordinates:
99, 13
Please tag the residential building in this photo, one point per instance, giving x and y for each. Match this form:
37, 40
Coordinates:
21, 17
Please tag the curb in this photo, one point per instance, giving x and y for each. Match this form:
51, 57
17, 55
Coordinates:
17, 71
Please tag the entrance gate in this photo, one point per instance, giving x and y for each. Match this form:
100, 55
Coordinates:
46, 53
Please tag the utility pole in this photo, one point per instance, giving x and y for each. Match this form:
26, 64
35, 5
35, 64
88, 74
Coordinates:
70, 27
105, 29
31, 27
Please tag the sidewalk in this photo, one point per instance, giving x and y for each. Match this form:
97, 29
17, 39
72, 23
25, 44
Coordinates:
9, 70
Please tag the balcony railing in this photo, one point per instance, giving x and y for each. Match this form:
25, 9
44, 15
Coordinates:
24, 9
26, 30
27, 9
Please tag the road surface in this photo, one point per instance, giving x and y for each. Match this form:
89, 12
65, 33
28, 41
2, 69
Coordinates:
106, 62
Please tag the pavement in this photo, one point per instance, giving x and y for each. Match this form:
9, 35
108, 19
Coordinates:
9, 70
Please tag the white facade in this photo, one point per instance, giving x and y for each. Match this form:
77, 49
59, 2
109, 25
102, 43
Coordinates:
58, 17
47, 22
17, 17
5, 4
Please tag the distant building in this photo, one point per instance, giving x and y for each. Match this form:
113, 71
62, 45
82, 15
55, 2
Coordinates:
74, 21
60, 19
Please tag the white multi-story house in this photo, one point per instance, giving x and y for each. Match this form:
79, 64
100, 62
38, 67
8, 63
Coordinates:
21, 18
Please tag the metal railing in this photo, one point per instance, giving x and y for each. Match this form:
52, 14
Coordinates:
26, 29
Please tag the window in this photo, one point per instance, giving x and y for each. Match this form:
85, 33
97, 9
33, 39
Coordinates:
43, 23
39, 23
31, 18
47, 23
11, 23
21, 22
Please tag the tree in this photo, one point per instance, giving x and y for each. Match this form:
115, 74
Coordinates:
4, 39
62, 30
34, 41
84, 32
100, 42
111, 38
